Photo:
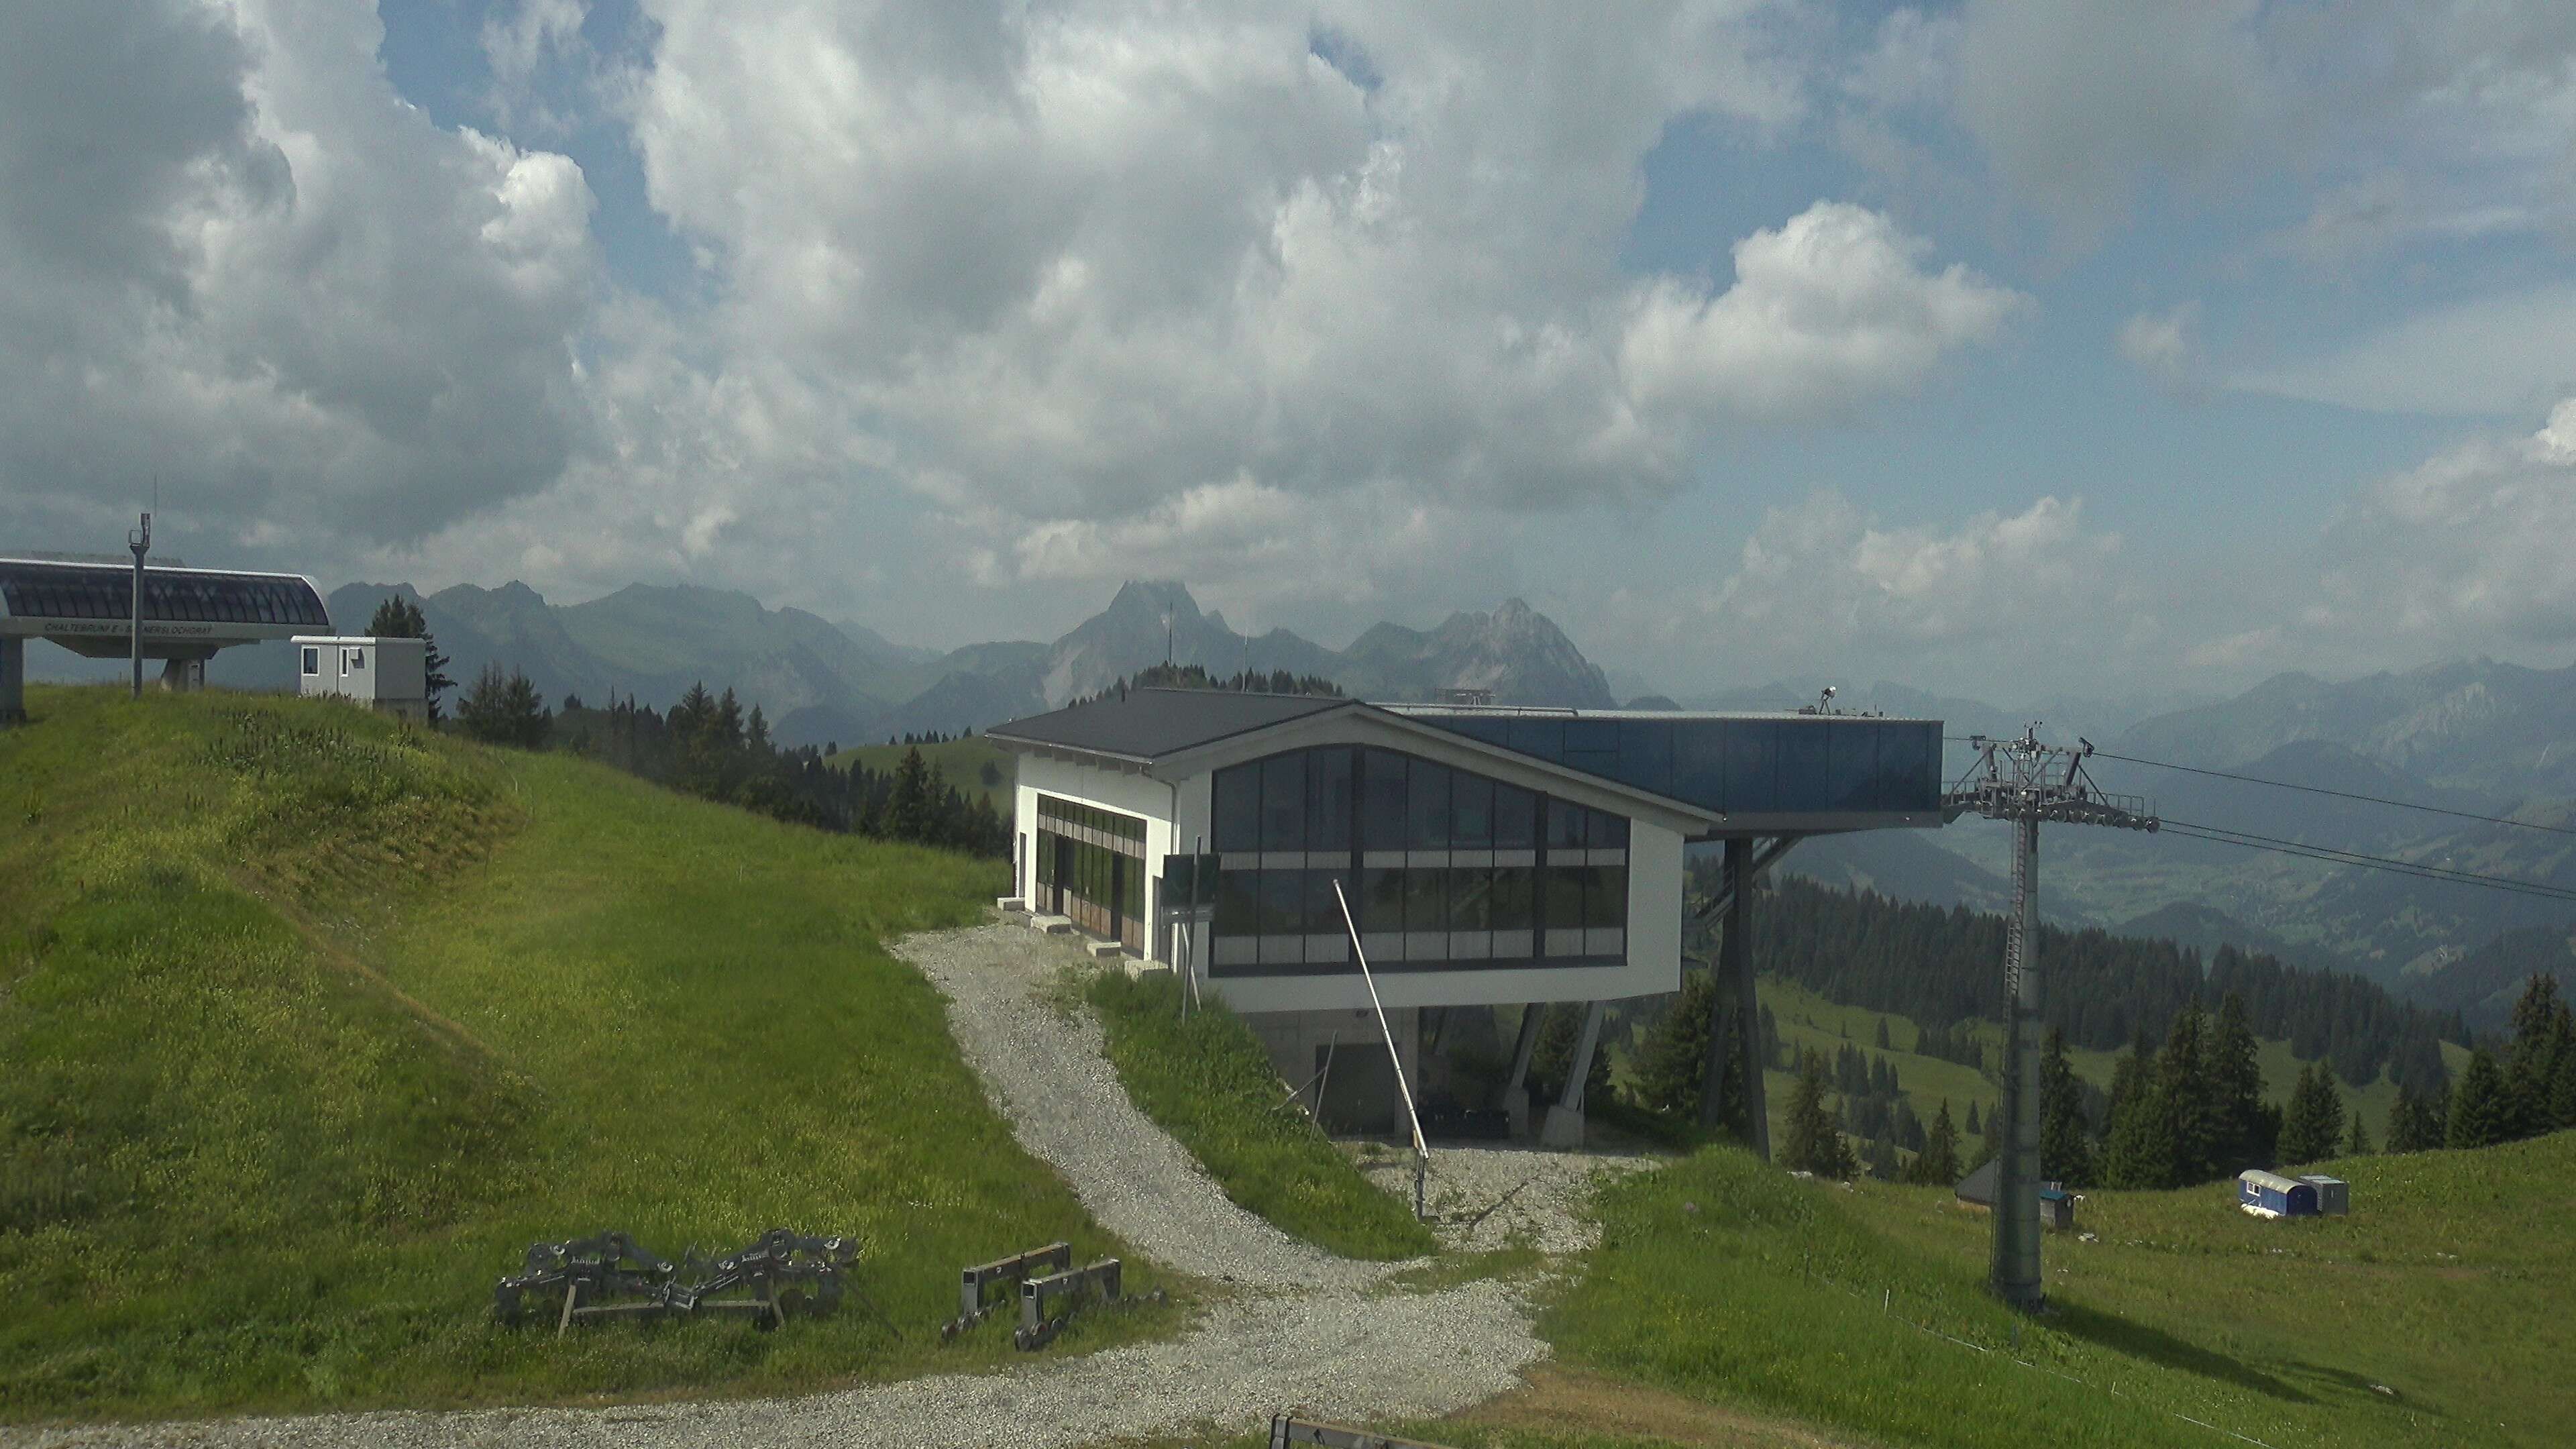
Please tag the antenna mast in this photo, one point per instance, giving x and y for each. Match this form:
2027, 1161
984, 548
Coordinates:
2026, 782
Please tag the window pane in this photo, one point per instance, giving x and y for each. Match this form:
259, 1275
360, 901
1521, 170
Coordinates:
1382, 801
1511, 898
1283, 903
1382, 909
1515, 817
1562, 906
1605, 896
1426, 901
1238, 809
1471, 811
1471, 898
1283, 802
1565, 827
1608, 831
1328, 799
1323, 913
1428, 807
1852, 752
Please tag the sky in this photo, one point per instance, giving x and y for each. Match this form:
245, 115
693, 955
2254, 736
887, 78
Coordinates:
1999, 349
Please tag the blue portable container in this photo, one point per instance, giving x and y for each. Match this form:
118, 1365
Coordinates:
2270, 1195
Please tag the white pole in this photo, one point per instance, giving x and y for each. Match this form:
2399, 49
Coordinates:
1421, 1149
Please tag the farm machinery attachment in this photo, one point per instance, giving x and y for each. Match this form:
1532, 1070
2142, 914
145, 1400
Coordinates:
613, 1276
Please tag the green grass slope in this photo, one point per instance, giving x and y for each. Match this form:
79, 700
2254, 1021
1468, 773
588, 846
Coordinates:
312, 1024
1208, 1083
962, 762
1856, 1309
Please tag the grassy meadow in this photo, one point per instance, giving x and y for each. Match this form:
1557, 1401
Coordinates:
313, 1023
1208, 1082
962, 761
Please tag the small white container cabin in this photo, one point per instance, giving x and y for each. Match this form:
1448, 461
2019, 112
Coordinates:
389, 676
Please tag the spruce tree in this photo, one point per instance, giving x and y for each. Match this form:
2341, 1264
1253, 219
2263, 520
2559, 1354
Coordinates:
1812, 1142
2182, 1082
2482, 1110
908, 810
1882, 1035
2137, 1145
2358, 1144
2065, 1143
504, 710
1938, 1163
2246, 1127
2312, 1128
2542, 1040
1672, 1066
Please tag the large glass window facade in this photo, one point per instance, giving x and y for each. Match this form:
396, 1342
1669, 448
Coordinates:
1823, 764
1444, 868
1091, 868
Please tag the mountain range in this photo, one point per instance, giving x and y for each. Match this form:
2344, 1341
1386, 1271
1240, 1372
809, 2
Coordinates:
821, 683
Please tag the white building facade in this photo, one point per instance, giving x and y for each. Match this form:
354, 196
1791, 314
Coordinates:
1474, 873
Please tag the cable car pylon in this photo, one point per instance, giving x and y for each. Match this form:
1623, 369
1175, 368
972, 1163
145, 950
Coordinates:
2026, 782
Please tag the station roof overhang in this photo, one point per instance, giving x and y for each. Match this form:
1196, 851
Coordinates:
187, 613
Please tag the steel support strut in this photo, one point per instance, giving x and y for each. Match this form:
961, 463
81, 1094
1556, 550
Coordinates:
2017, 1168
1735, 949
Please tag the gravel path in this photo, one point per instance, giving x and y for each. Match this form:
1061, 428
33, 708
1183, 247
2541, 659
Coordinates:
1312, 1331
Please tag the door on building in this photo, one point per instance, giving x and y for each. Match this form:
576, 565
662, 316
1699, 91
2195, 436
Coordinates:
1063, 872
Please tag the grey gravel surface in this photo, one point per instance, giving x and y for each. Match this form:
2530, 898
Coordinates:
1308, 1331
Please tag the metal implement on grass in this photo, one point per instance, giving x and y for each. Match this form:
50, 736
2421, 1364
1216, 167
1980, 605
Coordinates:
974, 1282
607, 1275
1048, 1303
1287, 1430
613, 1276
783, 1272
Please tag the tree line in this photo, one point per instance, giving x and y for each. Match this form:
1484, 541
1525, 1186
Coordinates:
1939, 967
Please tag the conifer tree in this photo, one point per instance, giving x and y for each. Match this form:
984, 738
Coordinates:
2482, 1111
2182, 1083
2312, 1127
2137, 1145
2065, 1144
2417, 1123
1673, 1065
2541, 1040
1882, 1035
1938, 1163
1811, 1140
2247, 1129
2357, 1144
908, 809
504, 710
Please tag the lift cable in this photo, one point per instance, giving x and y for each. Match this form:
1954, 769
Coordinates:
2335, 856
2322, 790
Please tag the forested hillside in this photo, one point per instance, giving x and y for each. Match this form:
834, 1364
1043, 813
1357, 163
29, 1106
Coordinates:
1941, 967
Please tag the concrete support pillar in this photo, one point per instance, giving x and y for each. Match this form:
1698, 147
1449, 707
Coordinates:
183, 676
13, 679
1564, 1126
1516, 1086
1735, 957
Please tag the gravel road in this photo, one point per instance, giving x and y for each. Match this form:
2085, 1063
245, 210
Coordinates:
1309, 1331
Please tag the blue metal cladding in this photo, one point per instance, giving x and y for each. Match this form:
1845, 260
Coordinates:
1745, 765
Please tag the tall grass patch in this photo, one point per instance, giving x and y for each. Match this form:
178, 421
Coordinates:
1208, 1082
313, 1023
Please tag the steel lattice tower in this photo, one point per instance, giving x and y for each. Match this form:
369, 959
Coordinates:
2026, 782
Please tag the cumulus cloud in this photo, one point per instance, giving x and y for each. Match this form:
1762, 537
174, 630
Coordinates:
307, 310
1085, 265
2160, 344
2467, 550
1830, 310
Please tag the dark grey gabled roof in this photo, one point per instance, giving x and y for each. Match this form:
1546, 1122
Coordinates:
1147, 724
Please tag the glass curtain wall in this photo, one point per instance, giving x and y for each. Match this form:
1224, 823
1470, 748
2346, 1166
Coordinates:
1444, 868
1091, 868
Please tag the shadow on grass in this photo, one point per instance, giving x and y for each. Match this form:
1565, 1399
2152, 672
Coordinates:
2120, 1335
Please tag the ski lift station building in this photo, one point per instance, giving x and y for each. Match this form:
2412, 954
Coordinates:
87, 606
1490, 855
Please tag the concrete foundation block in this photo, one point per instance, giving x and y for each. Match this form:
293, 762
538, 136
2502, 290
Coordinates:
1563, 1130
1103, 950
1052, 925
1010, 903
1140, 970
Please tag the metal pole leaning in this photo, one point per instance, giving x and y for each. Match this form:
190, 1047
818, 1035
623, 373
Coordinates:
1421, 1148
